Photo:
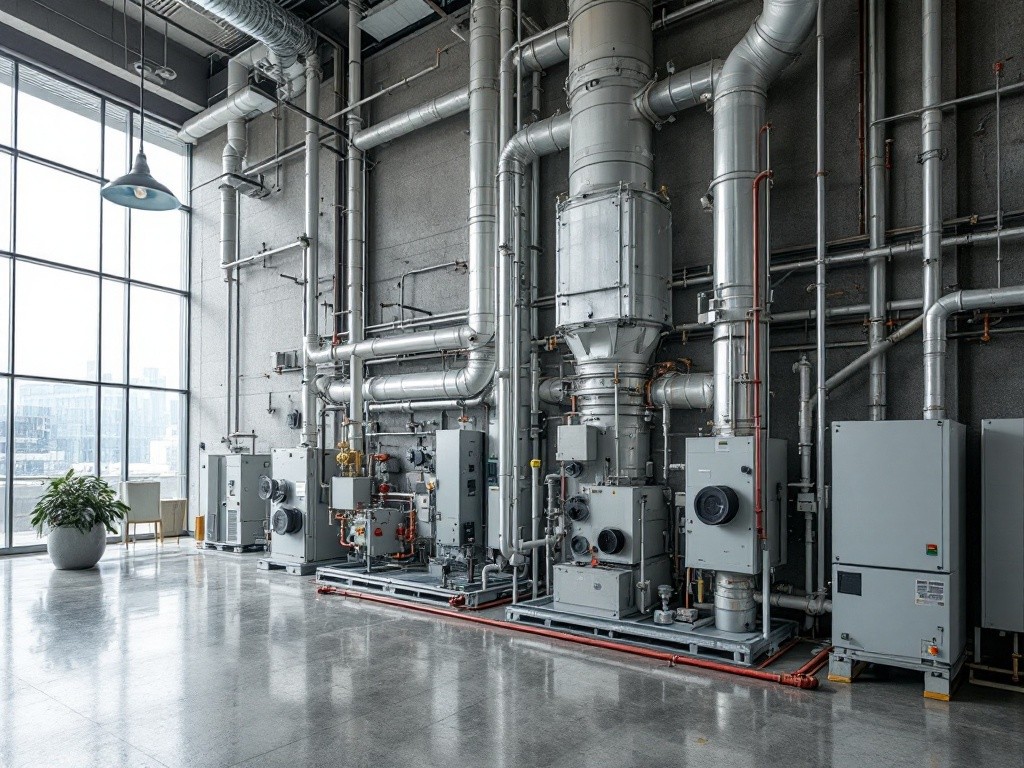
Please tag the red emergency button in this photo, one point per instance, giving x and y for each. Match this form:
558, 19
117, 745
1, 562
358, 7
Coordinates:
933, 650
378, 532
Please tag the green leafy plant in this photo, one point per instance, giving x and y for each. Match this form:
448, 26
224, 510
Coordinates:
78, 501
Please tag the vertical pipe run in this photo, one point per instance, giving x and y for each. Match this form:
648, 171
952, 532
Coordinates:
312, 251
819, 290
355, 249
931, 149
877, 205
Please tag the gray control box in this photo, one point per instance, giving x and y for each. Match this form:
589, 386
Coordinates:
351, 492
607, 592
1002, 524
576, 442
459, 499
730, 543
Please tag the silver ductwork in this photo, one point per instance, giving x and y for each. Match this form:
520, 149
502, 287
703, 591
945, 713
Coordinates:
285, 35
694, 391
770, 45
312, 250
355, 242
243, 104
935, 318
433, 111
679, 90
478, 333
931, 149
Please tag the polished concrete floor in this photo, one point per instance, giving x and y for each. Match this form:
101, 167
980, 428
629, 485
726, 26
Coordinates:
168, 656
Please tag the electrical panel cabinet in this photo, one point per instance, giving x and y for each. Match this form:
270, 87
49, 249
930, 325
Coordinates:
576, 442
351, 492
303, 529
459, 499
229, 498
898, 510
1002, 524
721, 529
245, 513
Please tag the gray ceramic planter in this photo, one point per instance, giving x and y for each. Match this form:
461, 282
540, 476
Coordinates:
72, 550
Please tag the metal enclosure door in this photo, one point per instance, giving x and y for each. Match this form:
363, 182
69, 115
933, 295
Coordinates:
897, 493
899, 613
1002, 524
460, 462
212, 492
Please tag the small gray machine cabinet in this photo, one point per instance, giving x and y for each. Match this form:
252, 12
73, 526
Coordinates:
1002, 524
728, 462
229, 498
460, 461
599, 509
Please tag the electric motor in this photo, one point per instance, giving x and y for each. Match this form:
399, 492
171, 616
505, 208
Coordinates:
286, 520
270, 489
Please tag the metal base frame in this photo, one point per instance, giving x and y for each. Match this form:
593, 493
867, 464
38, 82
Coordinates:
238, 549
420, 586
684, 639
303, 569
939, 681
989, 676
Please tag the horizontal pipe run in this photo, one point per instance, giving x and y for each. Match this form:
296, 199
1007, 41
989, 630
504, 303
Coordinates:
812, 605
241, 105
679, 90
694, 391
1016, 88
685, 13
795, 680
299, 243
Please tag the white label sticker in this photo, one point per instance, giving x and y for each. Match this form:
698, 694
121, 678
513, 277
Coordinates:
929, 592
300, 490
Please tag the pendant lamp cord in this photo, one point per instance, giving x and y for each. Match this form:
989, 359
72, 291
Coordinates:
142, 79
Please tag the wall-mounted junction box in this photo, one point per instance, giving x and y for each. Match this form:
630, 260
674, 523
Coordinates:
351, 492
576, 442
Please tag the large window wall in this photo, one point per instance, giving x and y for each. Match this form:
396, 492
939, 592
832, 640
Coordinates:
93, 298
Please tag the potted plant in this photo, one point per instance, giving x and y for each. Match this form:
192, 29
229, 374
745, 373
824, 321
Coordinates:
78, 510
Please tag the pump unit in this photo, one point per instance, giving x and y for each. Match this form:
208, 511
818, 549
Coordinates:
302, 528
898, 557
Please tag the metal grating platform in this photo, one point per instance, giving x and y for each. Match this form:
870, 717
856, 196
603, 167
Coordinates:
303, 569
684, 639
421, 586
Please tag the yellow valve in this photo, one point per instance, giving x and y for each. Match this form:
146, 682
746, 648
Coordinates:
535, 463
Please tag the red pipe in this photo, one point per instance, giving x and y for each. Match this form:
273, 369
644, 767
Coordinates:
756, 367
818, 661
795, 679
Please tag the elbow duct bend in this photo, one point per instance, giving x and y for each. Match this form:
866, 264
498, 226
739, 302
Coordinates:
935, 337
661, 99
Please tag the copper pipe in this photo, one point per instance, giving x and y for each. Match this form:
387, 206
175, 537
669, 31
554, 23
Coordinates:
795, 679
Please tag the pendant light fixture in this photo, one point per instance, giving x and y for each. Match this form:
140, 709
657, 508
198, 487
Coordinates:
138, 189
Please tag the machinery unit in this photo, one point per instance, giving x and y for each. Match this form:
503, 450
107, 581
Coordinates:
1002, 524
617, 524
609, 592
351, 492
236, 515
377, 531
303, 530
460, 458
898, 559
721, 532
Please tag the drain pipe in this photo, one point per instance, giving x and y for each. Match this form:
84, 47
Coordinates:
355, 251
312, 249
877, 213
935, 337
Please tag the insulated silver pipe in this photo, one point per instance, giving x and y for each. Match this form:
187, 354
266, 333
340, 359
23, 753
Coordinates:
846, 373
428, 113
312, 249
232, 158
769, 46
355, 245
821, 500
544, 50
877, 213
679, 90
805, 431
541, 138
931, 149
694, 391
935, 337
